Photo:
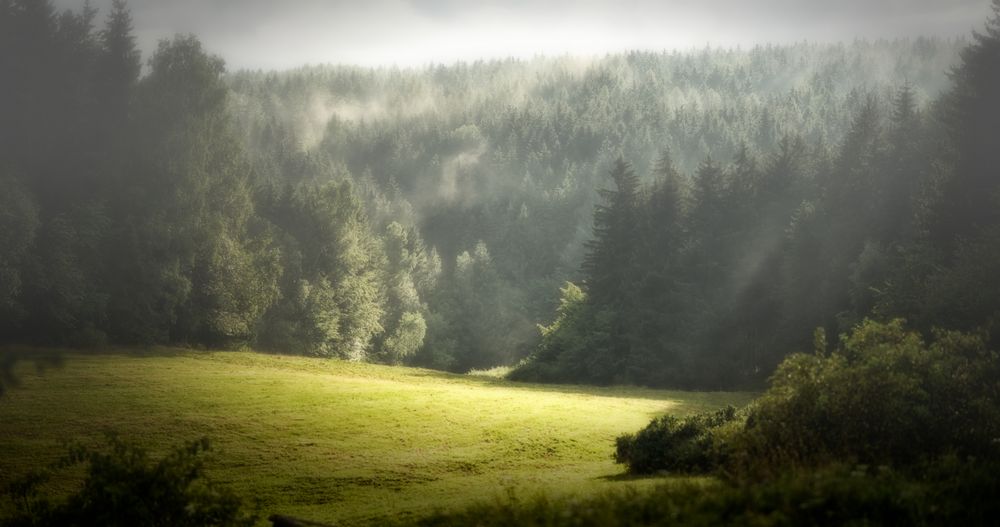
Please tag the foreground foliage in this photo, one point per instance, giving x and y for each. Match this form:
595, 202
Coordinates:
920, 421
124, 487
952, 493
884, 397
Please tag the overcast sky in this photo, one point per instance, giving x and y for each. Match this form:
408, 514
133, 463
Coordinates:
271, 34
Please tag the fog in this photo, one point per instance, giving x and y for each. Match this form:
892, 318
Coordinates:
261, 34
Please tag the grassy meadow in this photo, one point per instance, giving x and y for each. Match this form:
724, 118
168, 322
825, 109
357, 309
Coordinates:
336, 441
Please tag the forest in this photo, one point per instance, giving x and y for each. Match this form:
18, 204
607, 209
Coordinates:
790, 220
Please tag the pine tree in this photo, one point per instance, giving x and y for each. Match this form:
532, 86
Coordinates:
18, 228
118, 66
611, 253
904, 169
708, 223
669, 190
968, 196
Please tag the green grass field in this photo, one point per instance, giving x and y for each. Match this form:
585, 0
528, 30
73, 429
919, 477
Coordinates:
336, 441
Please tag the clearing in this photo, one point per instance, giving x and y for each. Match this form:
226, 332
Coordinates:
337, 441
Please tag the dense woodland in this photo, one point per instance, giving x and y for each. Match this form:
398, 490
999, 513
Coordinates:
667, 219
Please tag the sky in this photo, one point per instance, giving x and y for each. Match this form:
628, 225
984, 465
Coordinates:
281, 34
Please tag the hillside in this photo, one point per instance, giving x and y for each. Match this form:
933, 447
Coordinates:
338, 441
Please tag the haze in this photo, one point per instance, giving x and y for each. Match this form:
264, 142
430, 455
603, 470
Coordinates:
262, 34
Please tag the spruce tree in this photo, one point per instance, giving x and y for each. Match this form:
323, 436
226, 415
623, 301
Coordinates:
904, 168
118, 66
968, 196
611, 253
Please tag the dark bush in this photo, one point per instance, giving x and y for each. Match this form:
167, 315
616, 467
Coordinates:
675, 444
123, 487
885, 397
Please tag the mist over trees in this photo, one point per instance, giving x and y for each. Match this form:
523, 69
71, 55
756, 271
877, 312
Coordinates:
504, 158
673, 219
898, 219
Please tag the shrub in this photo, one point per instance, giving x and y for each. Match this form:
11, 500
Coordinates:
673, 444
885, 397
123, 487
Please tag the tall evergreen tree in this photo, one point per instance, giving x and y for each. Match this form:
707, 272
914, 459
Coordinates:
119, 65
612, 251
666, 207
18, 230
969, 195
904, 168
708, 223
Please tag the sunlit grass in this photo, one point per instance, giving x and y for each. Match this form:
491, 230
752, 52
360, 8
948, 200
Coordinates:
497, 372
337, 441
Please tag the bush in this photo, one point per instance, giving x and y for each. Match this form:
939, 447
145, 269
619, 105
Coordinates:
673, 444
123, 487
885, 397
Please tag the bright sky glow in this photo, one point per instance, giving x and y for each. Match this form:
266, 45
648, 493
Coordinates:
272, 34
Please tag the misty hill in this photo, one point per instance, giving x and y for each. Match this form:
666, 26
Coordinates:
505, 157
547, 113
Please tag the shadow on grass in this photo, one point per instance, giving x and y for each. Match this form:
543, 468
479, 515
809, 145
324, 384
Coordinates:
708, 398
691, 399
150, 351
96, 351
13, 359
625, 476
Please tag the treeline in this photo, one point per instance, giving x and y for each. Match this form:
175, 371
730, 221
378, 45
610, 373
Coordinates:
711, 280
